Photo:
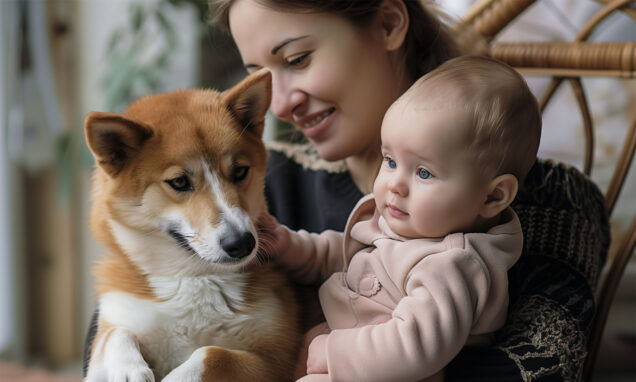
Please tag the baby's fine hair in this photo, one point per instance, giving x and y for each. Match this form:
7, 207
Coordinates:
506, 119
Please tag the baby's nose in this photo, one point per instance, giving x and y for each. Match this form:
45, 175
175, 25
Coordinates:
398, 185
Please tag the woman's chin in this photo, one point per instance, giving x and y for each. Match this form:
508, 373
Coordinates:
330, 151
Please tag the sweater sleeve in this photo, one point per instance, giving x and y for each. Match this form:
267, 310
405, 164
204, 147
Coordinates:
427, 329
311, 258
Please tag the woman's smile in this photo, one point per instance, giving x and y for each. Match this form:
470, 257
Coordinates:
314, 125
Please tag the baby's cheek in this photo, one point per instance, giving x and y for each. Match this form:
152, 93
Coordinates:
379, 188
430, 215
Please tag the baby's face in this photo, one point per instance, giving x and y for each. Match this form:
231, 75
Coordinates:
428, 184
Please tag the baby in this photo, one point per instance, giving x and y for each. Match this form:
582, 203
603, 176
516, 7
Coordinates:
421, 269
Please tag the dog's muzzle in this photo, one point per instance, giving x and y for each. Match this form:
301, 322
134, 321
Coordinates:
238, 245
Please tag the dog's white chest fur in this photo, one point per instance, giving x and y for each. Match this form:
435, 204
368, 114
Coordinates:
192, 312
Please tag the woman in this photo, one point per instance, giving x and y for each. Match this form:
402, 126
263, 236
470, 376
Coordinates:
336, 67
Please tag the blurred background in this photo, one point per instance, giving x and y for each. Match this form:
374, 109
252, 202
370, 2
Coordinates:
60, 59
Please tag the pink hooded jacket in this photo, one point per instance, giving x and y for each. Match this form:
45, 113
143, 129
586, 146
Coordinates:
401, 309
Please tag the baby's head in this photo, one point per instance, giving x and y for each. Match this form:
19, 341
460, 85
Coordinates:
504, 122
456, 146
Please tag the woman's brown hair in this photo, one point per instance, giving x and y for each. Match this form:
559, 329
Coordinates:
428, 42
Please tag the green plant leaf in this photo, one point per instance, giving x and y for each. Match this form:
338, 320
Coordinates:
139, 16
113, 41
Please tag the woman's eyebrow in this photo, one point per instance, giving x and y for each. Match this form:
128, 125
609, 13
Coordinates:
285, 42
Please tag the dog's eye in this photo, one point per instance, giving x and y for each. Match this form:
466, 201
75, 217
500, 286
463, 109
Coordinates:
180, 184
240, 173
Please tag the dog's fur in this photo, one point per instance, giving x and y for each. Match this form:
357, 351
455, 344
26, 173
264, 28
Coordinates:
183, 295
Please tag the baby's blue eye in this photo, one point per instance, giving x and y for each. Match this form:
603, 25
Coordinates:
391, 163
424, 174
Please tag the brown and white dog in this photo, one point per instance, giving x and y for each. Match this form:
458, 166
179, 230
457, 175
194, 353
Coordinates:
183, 295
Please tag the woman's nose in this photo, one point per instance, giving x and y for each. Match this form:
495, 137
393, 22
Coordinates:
398, 185
287, 99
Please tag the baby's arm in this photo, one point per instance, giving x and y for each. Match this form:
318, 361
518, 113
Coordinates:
427, 328
310, 258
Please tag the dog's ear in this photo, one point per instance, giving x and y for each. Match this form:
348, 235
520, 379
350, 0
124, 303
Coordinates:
114, 139
249, 100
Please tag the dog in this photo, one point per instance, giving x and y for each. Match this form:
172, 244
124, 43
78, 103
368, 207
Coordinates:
184, 294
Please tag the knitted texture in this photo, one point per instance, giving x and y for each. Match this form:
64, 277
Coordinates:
563, 216
566, 239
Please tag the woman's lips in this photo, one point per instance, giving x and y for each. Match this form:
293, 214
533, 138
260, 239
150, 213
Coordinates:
312, 126
396, 212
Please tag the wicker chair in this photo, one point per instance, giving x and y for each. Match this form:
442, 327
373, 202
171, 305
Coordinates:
569, 62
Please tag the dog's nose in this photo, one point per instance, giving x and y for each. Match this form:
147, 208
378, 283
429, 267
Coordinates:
238, 245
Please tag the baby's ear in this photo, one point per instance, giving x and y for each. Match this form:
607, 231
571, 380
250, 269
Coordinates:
502, 191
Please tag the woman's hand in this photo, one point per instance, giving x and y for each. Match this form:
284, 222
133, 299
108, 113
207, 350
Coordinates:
317, 357
273, 237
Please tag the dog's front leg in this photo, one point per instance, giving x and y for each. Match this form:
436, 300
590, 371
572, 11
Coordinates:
117, 359
212, 363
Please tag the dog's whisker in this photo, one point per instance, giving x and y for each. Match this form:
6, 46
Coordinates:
247, 126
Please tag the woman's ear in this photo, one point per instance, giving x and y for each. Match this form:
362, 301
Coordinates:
394, 19
502, 191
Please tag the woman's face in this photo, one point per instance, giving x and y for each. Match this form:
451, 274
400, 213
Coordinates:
331, 79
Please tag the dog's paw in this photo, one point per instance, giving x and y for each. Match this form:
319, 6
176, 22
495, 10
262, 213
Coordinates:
184, 373
118, 359
189, 371
133, 373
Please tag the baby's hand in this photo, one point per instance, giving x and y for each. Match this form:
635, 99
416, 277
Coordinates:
273, 237
317, 357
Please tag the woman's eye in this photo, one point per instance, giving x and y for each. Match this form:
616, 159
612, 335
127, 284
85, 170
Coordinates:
240, 173
297, 60
424, 174
180, 184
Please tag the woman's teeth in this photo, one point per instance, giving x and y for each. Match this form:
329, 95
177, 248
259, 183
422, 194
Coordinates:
317, 120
